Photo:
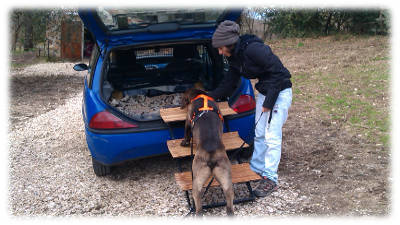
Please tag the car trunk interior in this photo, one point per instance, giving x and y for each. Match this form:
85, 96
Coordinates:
139, 81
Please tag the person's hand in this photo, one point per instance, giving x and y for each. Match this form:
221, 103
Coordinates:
266, 109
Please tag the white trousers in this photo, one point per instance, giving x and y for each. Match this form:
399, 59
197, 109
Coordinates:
268, 138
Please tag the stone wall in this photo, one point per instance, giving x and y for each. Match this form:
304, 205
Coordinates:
53, 34
53, 37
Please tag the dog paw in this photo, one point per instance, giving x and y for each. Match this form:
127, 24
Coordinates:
185, 143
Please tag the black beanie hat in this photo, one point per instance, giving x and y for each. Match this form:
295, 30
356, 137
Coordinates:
227, 33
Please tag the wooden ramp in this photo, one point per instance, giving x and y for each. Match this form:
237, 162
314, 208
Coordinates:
178, 114
240, 173
231, 141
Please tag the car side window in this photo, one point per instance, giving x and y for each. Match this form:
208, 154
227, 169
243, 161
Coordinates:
92, 65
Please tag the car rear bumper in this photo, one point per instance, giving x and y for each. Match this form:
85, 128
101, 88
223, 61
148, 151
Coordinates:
114, 148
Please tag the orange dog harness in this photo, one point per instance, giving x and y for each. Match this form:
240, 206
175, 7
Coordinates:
197, 113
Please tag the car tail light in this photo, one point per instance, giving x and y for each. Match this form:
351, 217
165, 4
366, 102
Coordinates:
106, 120
244, 103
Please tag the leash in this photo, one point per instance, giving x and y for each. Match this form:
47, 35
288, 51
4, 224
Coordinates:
192, 209
255, 125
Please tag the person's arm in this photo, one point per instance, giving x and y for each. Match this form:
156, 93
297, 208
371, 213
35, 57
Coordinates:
226, 86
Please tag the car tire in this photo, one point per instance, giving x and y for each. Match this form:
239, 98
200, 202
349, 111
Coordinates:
100, 169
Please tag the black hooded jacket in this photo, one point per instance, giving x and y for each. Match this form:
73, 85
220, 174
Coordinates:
251, 58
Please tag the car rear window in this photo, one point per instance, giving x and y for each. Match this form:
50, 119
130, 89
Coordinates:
150, 53
127, 19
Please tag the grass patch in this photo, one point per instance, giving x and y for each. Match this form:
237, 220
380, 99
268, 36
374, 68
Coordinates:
356, 99
380, 58
353, 94
17, 65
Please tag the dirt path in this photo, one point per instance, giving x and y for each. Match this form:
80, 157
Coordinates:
341, 173
37, 89
24, 58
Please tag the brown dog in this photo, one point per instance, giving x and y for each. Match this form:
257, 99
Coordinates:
205, 123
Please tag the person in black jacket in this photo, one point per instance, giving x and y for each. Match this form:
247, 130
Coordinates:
249, 57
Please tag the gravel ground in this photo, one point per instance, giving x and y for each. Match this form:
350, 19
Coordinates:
51, 173
39, 88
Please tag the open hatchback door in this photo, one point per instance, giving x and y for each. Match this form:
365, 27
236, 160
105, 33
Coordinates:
116, 27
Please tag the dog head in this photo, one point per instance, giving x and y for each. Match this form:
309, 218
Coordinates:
189, 95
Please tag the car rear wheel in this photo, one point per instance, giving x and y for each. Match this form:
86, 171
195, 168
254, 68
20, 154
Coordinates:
100, 169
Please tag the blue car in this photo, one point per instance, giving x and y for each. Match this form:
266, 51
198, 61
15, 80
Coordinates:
150, 53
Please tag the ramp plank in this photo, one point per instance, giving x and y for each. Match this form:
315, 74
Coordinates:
231, 141
178, 114
240, 173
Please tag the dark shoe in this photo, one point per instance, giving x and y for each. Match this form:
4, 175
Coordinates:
265, 187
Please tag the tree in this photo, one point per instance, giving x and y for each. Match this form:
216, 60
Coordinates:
247, 20
28, 27
16, 25
28, 40
315, 22
262, 15
327, 16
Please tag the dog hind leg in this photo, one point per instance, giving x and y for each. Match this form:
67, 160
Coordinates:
200, 176
223, 176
